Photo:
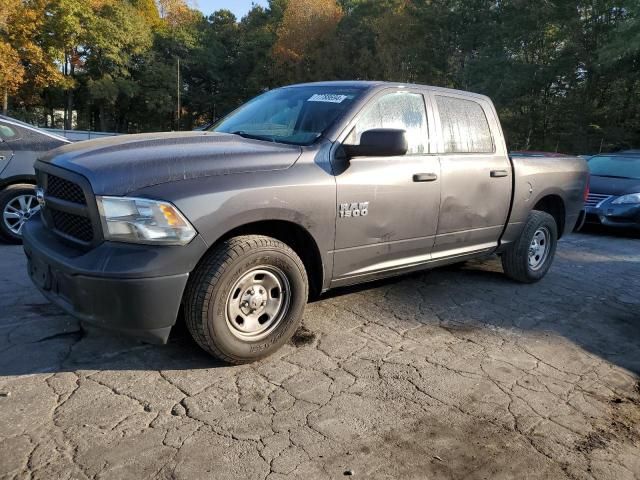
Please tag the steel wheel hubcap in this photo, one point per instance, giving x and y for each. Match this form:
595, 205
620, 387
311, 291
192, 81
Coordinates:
539, 248
18, 211
257, 303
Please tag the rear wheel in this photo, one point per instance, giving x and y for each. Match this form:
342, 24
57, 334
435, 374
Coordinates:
18, 204
529, 258
246, 298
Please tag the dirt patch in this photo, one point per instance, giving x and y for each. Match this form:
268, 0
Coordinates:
594, 441
443, 446
461, 328
625, 422
44, 309
624, 425
75, 334
302, 337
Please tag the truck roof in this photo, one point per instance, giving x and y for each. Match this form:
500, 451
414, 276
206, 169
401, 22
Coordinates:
371, 84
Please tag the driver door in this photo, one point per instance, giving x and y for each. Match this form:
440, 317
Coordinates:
387, 206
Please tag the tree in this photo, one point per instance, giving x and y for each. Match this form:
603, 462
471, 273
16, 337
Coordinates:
117, 39
564, 75
69, 20
29, 37
307, 28
11, 69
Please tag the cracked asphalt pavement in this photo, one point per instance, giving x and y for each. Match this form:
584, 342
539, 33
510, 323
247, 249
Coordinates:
453, 373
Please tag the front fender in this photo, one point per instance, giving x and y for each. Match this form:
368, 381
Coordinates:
303, 195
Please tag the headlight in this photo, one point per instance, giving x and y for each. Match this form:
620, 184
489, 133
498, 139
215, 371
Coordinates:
140, 220
627, 199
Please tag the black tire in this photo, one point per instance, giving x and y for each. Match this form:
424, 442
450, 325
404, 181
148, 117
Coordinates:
209, 291
515, 260
7, 195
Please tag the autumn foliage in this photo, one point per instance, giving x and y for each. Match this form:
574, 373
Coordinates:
306, 25
565, 75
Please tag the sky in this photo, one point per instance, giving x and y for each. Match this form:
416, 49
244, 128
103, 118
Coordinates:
238, 7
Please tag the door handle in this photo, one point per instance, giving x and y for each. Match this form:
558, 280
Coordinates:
2, 157
425, 177
499, 173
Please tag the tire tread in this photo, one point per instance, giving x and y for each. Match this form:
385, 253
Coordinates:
201, 286
514, 259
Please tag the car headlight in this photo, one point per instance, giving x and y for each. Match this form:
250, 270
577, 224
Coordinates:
141, 220
627, 199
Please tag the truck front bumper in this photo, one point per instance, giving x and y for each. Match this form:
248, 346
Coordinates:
133, 289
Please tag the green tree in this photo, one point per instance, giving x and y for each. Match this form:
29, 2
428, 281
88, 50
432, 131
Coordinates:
69, 20
117, 40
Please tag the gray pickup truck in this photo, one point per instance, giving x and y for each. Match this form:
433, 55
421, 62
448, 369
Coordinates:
303, 189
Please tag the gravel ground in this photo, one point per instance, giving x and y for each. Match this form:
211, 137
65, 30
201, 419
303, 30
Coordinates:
454, 373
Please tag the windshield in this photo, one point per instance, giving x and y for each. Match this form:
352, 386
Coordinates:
615, 166
296, 115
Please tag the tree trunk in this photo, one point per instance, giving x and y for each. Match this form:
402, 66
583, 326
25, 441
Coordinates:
68, 124
103, 120
5, 101
65, 115
69, 120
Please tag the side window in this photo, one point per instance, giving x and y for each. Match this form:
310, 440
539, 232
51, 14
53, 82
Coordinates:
464, 126
401, 110
7, 132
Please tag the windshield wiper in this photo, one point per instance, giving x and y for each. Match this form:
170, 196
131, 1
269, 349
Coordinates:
244, 134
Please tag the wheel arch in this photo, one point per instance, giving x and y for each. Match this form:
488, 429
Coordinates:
5, 182
295, 236
554, 205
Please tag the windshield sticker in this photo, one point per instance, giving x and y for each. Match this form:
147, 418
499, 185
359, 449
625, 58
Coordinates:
328, 98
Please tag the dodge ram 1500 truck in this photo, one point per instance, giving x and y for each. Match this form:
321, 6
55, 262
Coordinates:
302, 189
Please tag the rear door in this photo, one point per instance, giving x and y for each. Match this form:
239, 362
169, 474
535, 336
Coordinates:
6, 152
387, 206
476, 175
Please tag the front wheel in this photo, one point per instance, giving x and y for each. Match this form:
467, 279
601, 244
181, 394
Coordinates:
18, 204
246, 298
529, 258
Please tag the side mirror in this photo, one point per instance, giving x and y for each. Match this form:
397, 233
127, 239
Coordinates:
379, 142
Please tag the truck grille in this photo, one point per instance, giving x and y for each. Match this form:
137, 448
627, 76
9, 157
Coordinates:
65, 190
595, 199
75, 226
69, 209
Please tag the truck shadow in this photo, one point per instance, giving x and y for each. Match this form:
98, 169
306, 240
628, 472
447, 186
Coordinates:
593, 305
599, 230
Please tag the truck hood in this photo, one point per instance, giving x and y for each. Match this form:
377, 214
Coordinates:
120, 165
613, 186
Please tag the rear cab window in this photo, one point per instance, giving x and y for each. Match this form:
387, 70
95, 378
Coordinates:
464, 124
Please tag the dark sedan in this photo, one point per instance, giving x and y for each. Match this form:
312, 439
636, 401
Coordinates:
614, 198
20, 145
